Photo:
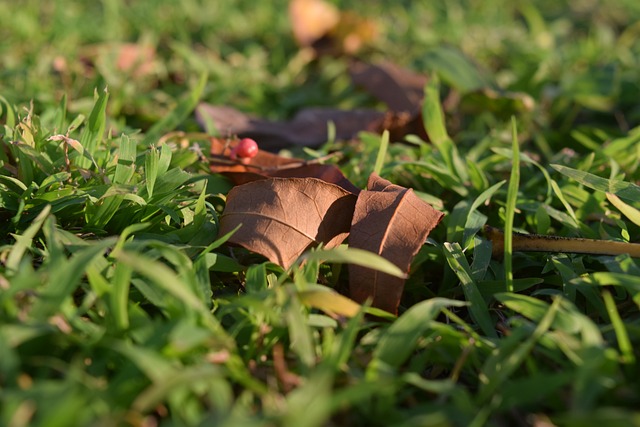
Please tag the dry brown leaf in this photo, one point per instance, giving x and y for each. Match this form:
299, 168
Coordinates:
393, 222
283, 217
308, 128
265, 165
312, 19
401, 89
319, 25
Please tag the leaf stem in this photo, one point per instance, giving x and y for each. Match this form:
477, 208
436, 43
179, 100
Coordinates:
543, 243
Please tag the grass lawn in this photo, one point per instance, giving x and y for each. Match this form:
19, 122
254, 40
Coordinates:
121, 304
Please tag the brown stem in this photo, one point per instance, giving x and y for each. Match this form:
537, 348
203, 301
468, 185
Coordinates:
542, 243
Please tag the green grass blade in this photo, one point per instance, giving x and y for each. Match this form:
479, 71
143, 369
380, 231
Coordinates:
622, 189
64, 278
628, 281
61, 113
433, 115
398, 342
498, 368
256, 278
434, 124
361, 257
563, 200
24, 241
126, 166
165, 159
163, 277
344, 345
300, 334
478, 307
94, 129
629, 211
512, 197
8, 112
151, 169
119, 296
382, 152
624, 343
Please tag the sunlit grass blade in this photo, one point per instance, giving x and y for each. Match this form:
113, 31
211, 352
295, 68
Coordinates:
94, 128
622, 189
512, 197
126, 166
361, 257
151, 169
434, 123
629, 211
382, 152
433, 115
329, 301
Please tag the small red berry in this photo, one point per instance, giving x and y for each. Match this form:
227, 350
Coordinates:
245, 150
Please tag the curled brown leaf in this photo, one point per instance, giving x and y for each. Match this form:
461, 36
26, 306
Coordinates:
393, 222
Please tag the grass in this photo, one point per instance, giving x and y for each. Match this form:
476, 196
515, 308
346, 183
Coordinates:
121, 305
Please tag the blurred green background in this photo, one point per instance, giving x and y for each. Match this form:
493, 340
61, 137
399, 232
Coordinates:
579, 60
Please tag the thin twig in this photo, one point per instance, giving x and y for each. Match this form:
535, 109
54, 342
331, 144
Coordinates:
544, 243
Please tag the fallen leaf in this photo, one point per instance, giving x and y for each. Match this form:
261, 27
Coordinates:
322, 27
265, 165
283, 217
308, 128
393, 222
401, 89
311, 20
